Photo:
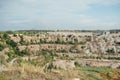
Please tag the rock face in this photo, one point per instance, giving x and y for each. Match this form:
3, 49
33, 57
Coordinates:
76, 79
76, 42
100, 63
72, 45
3, 68
116, 65
64, 64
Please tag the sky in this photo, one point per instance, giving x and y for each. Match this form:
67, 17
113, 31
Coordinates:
59, 14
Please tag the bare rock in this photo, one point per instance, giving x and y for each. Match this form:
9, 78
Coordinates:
64, 64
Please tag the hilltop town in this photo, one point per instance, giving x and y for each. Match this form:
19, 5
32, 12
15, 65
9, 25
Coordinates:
69, 55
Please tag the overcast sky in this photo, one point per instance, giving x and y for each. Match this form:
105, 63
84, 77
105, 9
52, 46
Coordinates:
59, 14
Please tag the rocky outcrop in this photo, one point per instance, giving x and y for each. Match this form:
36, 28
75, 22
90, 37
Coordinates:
3, 68
87, 43
64, 64
99, 63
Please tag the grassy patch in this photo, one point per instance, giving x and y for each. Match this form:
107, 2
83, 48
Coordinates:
2, 77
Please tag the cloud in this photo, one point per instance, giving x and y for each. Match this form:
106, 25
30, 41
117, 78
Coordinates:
67, 14
108, 2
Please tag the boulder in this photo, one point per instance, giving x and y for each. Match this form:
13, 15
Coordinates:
64, 64
115, 65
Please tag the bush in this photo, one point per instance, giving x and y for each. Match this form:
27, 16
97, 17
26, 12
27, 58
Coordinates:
11, 43
19, 61
77, 64
5, 36
43, 41
22, 42
9, 32
14, 35
2, 59
11, 54
111, 51
2, 77
113, 58
1, 47
81, 42
20, 53
24, 52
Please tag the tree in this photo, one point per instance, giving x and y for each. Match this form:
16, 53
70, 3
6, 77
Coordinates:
11, 43
22, 40
5, 36
9, 32
14, 35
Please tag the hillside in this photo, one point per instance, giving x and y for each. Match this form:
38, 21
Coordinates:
60, 55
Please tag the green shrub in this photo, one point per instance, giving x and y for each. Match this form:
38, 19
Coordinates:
11, 54
2, 59
1, 47
19, 61
77, 64
22, 42
5, 36
14, 35
114, 58
2, 77
43, 41
111, 51
20, 53
11, 43
81, 42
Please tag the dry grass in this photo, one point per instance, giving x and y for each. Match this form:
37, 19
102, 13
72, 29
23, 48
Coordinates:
25, 67
29, 72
